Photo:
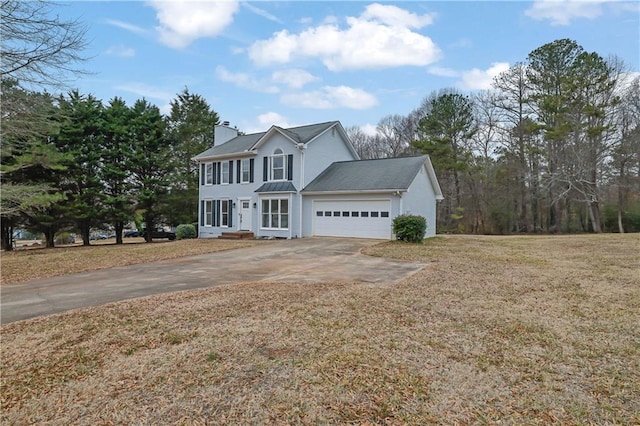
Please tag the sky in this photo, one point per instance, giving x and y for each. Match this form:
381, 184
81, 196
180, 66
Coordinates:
263, 63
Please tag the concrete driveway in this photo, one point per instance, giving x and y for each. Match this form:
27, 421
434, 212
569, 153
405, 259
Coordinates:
302, 260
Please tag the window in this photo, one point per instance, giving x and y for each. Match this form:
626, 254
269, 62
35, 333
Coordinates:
206, 218
208, 174
278, 165
244, 171
345, 214
336, 213
245, 204
224, 213
374, 214
384, 214
364, 214
328, 214
355, 214
275, 213
225, 172
319, 213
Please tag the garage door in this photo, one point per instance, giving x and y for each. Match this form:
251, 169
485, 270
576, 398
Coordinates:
361, 218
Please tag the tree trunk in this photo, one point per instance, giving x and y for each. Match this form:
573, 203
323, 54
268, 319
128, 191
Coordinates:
594, 212
49, 237
85, 231
118, 226
6, 236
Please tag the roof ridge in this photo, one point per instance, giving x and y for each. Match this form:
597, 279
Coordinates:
379, 159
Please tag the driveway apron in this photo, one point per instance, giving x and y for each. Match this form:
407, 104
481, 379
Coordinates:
303, 260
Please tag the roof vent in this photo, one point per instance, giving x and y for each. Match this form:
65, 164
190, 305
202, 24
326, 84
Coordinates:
225, 123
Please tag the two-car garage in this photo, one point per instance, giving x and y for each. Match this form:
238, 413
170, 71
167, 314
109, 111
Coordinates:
369, 218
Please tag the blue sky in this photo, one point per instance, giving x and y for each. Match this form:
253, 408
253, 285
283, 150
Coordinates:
290, 63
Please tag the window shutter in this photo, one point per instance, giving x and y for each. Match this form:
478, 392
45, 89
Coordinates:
290, 167
219, 173
251, 161
231, 172
238, 171
201, 212
217, 213
202, 172
265, 169
230, 207
214, 178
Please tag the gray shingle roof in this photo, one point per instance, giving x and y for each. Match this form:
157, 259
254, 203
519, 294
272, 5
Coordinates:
368, 175
240, 144
277, 187
236, 145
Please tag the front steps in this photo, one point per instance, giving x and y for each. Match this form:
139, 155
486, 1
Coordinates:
238, 235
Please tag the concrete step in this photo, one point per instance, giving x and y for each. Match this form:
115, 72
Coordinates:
240, 235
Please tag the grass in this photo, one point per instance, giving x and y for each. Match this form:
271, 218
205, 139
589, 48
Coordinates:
517, 330
29, 264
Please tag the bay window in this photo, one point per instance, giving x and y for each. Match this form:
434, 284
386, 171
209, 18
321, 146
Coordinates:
275, 213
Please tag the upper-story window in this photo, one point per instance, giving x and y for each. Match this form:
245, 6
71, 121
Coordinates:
245, 171
209, 174
278, 165
225, 172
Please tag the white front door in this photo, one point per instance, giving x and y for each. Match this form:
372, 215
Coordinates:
245, 215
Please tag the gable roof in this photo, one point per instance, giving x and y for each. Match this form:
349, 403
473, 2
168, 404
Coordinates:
246, 143
387, 174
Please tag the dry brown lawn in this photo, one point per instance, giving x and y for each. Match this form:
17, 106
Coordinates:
510, 330
28, 264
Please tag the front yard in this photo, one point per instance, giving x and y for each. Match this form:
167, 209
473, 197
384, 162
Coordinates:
524, 330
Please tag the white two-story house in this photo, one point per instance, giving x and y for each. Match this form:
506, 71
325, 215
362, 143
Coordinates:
308, 181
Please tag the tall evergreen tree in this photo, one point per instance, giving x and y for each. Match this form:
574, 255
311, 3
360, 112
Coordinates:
81, 137
117, 151
190, 131
150, 161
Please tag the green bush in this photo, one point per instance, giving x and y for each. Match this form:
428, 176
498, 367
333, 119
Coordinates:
64, 238
186, 231
410, 228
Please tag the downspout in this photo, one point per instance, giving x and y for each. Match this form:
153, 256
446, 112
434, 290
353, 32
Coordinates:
301, 148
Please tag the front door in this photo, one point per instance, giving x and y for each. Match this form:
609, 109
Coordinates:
245, 215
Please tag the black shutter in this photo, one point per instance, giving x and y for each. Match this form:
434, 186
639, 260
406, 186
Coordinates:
265, 169
238, 171
231, 172
251, 170
230, 207
217, 213
219, 174
202, 171
290, 167
202, 212
214, 179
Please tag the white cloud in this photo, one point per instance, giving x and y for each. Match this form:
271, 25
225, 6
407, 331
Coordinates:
146, 91
126, 26
369, 129
271, 118
294, 78
261, 12
245, 81
121, 51
477, 79
331, 97
185, 21
382, 37
562, 12
443, 72
396, 17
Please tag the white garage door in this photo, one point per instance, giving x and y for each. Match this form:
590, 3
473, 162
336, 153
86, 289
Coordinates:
362, 218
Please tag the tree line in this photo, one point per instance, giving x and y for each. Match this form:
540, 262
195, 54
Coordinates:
553, 146
72, 163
